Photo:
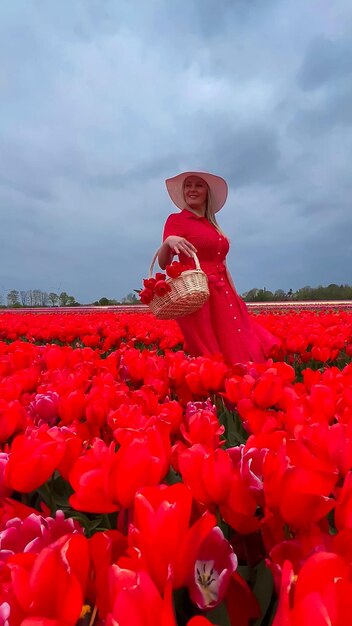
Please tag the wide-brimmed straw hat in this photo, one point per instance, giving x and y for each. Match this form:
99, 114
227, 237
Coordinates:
217, 185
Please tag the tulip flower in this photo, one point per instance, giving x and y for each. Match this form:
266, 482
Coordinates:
105, 549
250, 464
343, 509
215, 563
88, 478
297, 484
206, 473
163, 534
321, 594
142, 459
33, 459
202, 426
5, 612
34, 533
12, 419
4, 491
44, 408
136, 600
162, 287
50, 587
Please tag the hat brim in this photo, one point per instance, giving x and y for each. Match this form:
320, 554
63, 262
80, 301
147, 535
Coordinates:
217, 185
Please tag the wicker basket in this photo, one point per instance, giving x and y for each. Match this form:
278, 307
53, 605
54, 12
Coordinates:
188, 293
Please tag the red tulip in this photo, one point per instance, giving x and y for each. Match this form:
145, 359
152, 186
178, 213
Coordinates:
239, 509
72, 407
207, 473
146, 296
201, 425
343, 509
149, 283
163, 535
44, 408
88, 478
241, 604
50, 587
268, 391
297, 484
142, 459
321, 595
12, 419
4, 491
162, 287
174, 269
250, 464
213, 568
137, 601
105, 549
33, 459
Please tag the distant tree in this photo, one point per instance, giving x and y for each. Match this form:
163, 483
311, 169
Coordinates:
53, 298
305, 293
279, 295
263, 295
71, 301
44, 298
131, 298
37, 297
24, 297
13, 298
250, 295
64, 298
105, 302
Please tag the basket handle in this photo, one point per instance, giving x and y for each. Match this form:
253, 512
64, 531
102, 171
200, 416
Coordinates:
151, 269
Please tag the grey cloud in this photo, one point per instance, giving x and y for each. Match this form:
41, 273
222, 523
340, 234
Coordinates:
102, 100
247, 156
146, 170
335, 109
325, 62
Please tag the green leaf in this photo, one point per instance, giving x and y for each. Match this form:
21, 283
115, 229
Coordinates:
219, 615
172, 477
263, 590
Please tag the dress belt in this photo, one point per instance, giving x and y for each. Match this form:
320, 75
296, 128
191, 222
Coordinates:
212, 266
215, 272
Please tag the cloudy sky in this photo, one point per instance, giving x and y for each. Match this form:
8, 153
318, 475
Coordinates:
101, 100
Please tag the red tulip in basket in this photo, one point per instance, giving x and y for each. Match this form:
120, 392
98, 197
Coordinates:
182, 290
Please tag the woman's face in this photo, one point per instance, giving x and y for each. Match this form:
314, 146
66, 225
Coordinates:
195, 191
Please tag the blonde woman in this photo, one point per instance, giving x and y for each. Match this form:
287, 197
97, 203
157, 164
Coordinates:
223, 324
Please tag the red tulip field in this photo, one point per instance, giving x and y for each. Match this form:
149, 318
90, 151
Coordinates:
142, 487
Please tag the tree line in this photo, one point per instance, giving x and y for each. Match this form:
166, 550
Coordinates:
331, 292
38, 298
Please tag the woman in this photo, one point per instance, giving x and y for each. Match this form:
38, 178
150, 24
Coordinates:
223, 324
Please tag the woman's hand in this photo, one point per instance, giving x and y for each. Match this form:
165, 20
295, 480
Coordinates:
180, 244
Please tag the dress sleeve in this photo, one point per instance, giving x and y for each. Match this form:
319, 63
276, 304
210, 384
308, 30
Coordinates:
172, 226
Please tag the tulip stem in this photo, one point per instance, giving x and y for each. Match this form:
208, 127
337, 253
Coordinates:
94, 614
106, 521
248, 561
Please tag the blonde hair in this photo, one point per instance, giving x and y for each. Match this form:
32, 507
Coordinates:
210, 215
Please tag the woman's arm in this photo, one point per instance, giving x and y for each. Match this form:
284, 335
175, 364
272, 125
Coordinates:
174, 245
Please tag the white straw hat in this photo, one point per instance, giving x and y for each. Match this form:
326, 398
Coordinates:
217, 185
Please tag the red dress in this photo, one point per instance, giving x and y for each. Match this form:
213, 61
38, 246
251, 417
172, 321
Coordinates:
223, 324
